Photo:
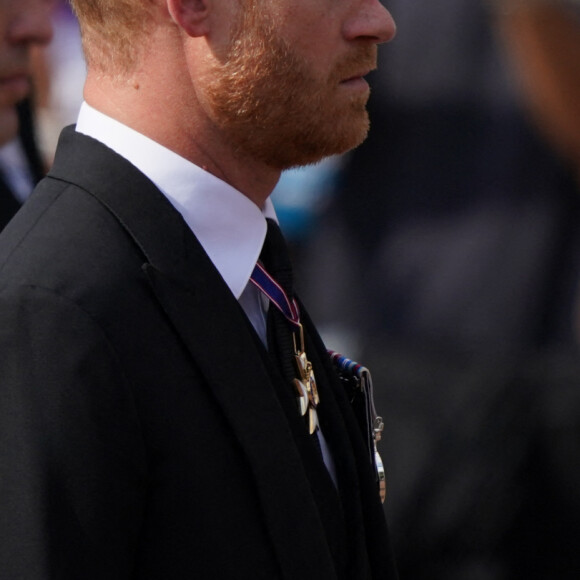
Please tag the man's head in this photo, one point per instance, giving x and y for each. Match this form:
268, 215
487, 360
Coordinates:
277, 82
289, 95
23, 25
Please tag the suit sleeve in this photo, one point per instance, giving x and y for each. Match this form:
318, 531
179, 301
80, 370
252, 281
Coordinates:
72, 465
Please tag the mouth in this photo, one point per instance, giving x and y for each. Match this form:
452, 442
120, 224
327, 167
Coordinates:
357, 79
357, 82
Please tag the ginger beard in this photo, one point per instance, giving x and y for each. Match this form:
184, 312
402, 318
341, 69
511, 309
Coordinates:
270, 104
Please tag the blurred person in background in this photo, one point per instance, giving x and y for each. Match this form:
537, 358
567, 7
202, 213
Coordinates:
452, 247
543, 39
25, 25
67, 72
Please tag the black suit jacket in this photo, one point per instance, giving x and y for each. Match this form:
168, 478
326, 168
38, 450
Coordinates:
144, 432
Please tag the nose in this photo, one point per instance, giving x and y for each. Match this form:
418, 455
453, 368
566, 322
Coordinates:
370, 20
31, 22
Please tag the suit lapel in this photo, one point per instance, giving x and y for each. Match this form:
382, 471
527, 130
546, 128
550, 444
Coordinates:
219, 338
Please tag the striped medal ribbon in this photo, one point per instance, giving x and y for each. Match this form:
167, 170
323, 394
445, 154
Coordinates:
305, 388
359, 389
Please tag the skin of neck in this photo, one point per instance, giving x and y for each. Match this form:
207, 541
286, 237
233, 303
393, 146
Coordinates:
159, 98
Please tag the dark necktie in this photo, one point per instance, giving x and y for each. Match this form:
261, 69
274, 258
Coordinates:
284, 340
276, 260
282, 349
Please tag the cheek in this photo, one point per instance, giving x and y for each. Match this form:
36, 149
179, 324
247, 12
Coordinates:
314, 33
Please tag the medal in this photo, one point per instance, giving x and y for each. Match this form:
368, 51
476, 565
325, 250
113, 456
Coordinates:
301, 396
305, 385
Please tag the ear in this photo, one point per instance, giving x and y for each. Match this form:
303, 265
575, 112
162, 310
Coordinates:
192, 16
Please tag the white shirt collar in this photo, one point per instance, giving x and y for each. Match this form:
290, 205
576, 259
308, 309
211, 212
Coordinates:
230, 227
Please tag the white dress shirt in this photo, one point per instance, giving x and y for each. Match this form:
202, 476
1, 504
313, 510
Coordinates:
230, 227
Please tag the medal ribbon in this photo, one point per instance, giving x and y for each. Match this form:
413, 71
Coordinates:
346, 364
305, 385
372, 425
277, 296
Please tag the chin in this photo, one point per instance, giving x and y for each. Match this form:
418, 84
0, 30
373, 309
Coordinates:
335, 137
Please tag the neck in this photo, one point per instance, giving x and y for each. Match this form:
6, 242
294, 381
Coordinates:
175, 119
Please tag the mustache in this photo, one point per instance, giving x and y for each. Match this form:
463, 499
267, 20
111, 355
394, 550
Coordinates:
356, 64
